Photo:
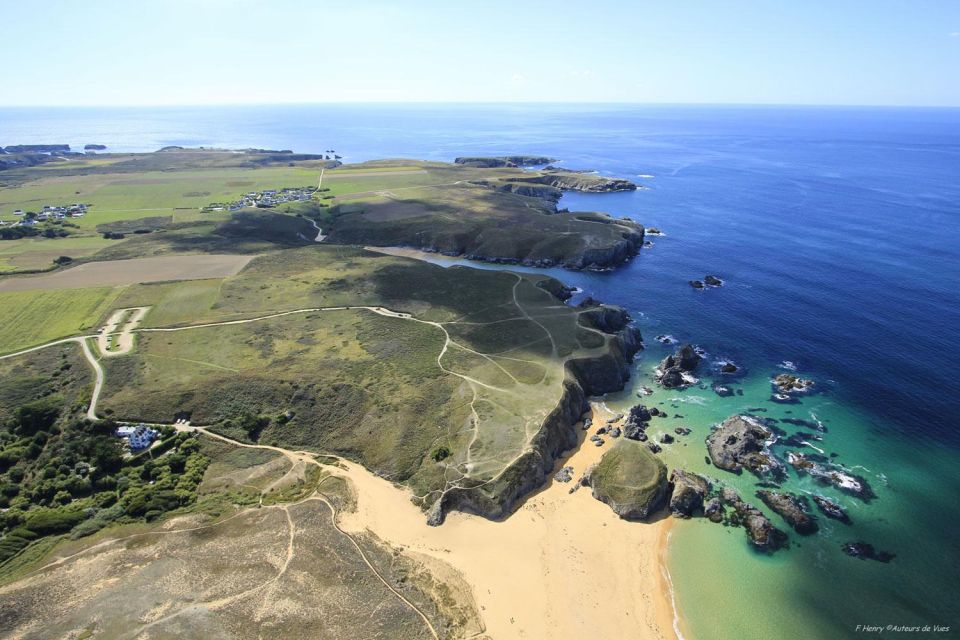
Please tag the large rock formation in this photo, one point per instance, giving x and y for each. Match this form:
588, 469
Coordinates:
760, 531
609, 371
741, 442
631, 480
676, 370
635, 425
790, 508
689, 491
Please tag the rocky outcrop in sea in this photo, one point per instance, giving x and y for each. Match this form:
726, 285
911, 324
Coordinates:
742, 442
831, 509
635, 426
791, 508
828, 473
760, 531
676, 370
688, 493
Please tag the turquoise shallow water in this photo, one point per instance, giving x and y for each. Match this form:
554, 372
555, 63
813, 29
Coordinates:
837, 231
813, 590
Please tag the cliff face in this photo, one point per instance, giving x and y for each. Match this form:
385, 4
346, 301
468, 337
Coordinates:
577, 181
503, 161
495, 500
558, 433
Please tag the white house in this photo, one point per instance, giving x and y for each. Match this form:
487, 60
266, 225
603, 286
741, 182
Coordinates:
139, 437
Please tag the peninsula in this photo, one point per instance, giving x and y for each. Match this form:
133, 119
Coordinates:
279, 373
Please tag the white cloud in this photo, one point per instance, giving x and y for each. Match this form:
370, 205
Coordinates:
955, 34
518, 78
581, 73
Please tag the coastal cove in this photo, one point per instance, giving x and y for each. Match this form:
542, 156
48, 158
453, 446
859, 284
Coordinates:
835, 234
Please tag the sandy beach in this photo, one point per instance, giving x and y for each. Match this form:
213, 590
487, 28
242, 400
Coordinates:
562, 566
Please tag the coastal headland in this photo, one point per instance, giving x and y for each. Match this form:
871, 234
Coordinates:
315, 381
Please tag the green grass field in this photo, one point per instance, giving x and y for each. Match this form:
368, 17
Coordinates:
370, 387
29, 318
387, 203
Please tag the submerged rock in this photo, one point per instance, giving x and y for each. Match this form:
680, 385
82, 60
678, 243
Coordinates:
689, 491
792, 509
697, 284
831, 509
683, 431
631, 481
742, 442
866, 551
722, 390
831, 474
712, 281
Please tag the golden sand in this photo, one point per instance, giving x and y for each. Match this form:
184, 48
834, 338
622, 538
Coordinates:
562, 566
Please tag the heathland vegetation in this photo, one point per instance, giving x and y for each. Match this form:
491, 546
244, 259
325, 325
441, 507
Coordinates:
464, 385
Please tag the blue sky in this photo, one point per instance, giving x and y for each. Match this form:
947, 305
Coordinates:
279, 51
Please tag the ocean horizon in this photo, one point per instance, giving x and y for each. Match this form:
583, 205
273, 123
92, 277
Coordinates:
836, 232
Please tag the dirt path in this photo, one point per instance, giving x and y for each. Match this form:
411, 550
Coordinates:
124, 341
304, 457
91, 359
551, 569
320, 237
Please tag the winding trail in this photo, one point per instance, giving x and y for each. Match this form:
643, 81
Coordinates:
296, 458
91, 359
137, 314
529, 573
305, 457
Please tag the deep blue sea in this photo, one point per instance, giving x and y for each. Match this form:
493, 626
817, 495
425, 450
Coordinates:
837, 232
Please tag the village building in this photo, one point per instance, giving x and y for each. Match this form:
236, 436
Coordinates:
138, 437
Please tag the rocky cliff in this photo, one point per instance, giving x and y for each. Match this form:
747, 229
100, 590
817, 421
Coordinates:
584, 377
502, 161
578, 181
